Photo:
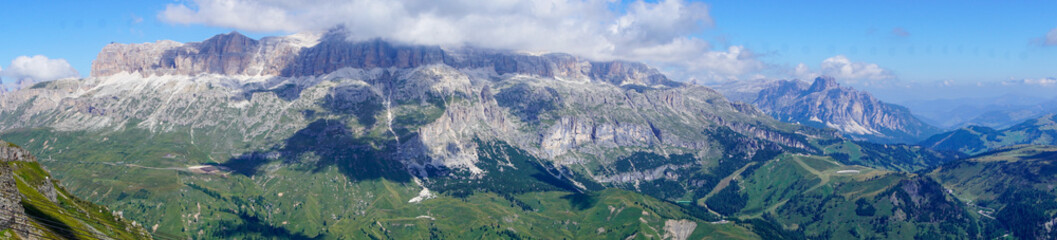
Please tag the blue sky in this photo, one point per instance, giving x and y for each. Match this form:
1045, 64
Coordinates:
920, 42
947, 40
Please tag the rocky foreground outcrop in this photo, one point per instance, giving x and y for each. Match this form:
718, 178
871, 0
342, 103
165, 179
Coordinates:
12, 215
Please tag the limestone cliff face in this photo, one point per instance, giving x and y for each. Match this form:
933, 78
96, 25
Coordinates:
227, 54
143, 57
826, 104
230, 54
313, 55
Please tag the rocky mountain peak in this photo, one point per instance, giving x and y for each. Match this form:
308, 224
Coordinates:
856, 113
229, 41
823, 83
230, 53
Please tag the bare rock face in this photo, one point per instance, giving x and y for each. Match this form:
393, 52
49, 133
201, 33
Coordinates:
678, 229
143, 57
334, 53
826, 104
228, 54
822, 83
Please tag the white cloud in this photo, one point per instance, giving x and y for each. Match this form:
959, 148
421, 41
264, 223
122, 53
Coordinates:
803, 72
25, 70
656, 32
1051, 38
843, 68
731, 64
659, 23
847, 71
1041, 82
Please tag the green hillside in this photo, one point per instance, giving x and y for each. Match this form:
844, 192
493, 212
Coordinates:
976, 139
770, 194
45, 210
825, 199
1012, 185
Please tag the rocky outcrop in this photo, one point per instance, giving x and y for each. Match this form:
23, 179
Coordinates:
678, 229
12, 215
824, 103
9, 152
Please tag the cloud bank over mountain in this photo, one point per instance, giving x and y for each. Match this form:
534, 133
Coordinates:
661, 33
26, 70
852, 72
672, 35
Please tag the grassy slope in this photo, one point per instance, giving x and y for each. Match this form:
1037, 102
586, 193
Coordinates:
977, 140
988, 175
69, 217
144, 175
1012, 185
302, 202
821, 198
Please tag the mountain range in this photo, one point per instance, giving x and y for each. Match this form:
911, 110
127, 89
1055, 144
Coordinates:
980, 139
315, 136
994, 112
825, 104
